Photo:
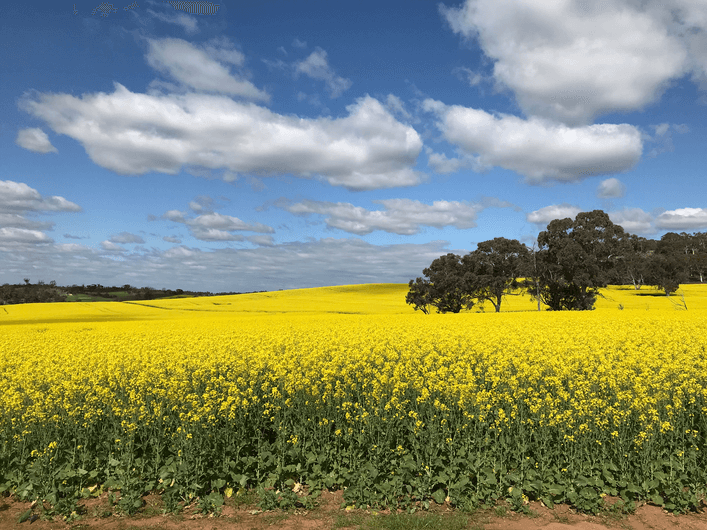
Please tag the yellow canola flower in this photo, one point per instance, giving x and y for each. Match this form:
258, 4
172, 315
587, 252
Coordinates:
353, 356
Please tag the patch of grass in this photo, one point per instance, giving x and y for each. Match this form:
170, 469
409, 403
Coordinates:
349, 520
243, 498
561, 518
273, 518
407, 521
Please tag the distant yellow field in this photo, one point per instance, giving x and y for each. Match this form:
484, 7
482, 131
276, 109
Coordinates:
367, 299
352, 370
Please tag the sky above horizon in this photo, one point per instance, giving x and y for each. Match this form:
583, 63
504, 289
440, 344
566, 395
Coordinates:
243, 146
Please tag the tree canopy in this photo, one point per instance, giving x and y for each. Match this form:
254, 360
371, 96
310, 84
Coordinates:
574, 258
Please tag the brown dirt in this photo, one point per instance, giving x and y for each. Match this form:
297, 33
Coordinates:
330, 514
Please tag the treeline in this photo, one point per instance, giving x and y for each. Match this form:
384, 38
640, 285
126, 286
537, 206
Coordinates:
41, 292
573, 259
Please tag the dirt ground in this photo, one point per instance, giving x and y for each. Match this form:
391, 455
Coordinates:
330, 515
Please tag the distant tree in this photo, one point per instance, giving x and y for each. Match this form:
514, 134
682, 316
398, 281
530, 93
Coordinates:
446, 275
577, 258
491, 271
420, 295
632, 267
26, 281
668, 267
698, 258
443, 287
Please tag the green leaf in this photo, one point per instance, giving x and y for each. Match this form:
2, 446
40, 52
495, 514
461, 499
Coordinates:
439, 496
26, 515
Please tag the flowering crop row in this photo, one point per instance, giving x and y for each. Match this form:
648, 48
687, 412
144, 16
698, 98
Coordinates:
193, 396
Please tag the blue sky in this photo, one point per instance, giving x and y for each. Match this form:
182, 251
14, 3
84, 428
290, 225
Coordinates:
276, 144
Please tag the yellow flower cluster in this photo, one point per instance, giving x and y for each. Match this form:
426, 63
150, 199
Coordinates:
356, 356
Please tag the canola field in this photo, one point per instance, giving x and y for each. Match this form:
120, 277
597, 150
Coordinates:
348, 387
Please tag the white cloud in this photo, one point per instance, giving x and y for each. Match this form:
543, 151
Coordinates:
536, 148
400, 216
111, 247
175, 216
572, 60
226, 222
663, 137
317, 67
262, 241
284, 266
126, 237
202, 203
19, 197
172, 239
215, 226
611, 188
202, 69
132, 133
543, 216
180, 19
16, 220
441, 164
23, 235
35, 139
468, 75
221, 49
396, 106
214, 234
633, 220
682, 219
296, 43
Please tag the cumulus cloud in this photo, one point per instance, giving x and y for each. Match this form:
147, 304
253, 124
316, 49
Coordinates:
175, 216
111, 247
611, 188
202, 69
19, 197
172, 239
316, 66
23, 236
35, 139
543, 216
682, 219
16, 220
215, 226
126, 237
536, 148
633, 220
572, 60
296, 43
400, 216
226, 222
132, 133
441, 164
